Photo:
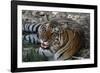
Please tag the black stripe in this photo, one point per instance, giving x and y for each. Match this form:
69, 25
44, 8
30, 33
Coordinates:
67, 35
29, 27
61, 54
28, 32
37, 28
37, 35
29, 39
33, 40
33, 28
44, 54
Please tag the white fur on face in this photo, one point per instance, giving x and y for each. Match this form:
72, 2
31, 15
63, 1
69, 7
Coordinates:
44, 44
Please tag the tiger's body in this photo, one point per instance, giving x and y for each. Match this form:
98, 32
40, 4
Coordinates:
70, 46
58, 43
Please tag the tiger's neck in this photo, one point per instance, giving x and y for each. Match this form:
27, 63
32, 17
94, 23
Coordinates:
63, 39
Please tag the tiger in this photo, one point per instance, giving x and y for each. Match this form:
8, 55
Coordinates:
57, 42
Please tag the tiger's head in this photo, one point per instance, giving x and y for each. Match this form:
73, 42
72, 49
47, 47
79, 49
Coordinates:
49, 34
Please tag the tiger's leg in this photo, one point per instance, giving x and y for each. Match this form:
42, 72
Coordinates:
77, 58
46, 53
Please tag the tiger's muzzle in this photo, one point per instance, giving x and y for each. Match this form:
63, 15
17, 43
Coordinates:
44, 45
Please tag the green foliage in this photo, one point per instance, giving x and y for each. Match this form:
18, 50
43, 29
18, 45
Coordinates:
32, 56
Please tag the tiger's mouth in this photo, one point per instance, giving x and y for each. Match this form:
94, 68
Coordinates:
44, 44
